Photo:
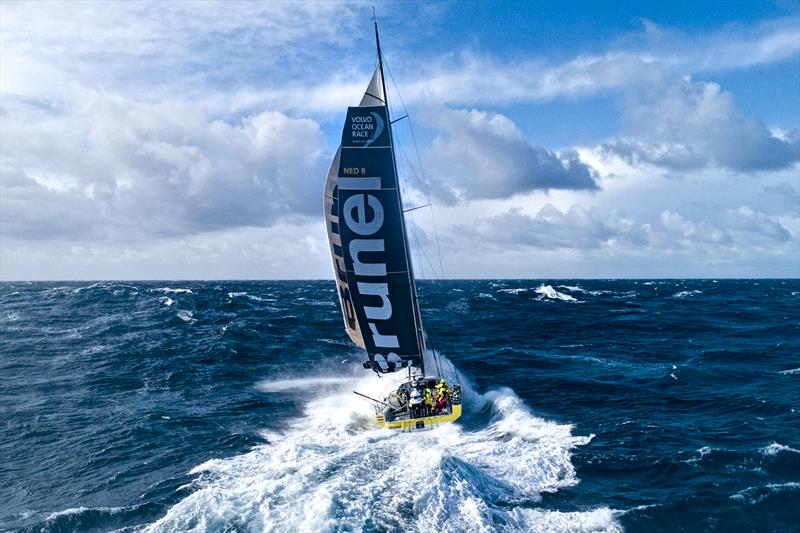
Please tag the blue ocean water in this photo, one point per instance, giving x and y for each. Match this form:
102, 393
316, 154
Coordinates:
227, 406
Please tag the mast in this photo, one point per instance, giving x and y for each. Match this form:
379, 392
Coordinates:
410, 267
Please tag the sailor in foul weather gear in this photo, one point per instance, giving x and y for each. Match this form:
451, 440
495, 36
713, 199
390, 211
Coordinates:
442, 388
415, 403
441, 404
428, 401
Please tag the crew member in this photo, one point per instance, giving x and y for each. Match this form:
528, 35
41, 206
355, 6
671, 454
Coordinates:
442, 388
415, 403
428, 401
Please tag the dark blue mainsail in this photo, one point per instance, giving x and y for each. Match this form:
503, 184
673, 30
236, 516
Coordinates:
366, 230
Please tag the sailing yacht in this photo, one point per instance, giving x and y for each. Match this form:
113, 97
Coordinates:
372, 266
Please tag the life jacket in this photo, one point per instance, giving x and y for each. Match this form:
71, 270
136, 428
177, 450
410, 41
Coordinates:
428, 397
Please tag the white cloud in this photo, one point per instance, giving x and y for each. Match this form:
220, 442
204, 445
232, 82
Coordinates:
471, 78
683, 124
550, 229
282, 251
155, 135
580, 242
105, 166
484, 155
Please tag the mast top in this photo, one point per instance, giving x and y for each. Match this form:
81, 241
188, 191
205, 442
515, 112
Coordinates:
377, 41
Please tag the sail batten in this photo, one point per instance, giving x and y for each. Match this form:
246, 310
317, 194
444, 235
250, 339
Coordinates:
367, 235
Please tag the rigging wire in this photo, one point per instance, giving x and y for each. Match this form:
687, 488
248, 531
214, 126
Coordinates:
423, 182
426, 191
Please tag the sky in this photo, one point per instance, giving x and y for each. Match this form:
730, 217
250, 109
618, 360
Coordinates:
190, 140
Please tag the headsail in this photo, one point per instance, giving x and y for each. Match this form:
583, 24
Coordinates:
366, 231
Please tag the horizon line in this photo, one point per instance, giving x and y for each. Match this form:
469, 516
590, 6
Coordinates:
656, 278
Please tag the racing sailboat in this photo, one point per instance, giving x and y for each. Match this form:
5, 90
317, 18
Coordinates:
373, 270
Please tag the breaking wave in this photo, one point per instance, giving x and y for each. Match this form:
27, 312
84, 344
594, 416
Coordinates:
547, 291
776, 447
331, 470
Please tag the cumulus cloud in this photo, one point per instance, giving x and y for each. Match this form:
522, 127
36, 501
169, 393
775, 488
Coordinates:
484, 155
551, 229
133, 129
581, 229
684, 124
103, 165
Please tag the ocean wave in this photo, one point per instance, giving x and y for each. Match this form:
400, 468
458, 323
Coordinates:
186, 316
699, 454
79, 510
329, 466
790, 371
577, 288
547, 291
513, 291
754, 495
171, 290
684, 294
166, 300
459, 306
254, 297
775, 448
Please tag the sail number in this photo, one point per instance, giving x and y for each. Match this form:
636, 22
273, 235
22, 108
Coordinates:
354, 171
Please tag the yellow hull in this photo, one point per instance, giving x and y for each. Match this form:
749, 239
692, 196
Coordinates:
419, 424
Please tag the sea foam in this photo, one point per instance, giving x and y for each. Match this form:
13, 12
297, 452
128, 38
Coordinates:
331, 469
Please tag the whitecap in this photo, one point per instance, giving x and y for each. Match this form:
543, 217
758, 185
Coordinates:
775, 448
573, 288
684, 294
166, 300
513, 291
547, 291
790, 371
698, 455
81, 509
170, 290
186, 316
486, 295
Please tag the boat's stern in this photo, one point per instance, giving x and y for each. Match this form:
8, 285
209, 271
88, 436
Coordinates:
423, 423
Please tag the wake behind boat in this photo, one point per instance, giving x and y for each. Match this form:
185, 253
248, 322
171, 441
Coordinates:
373, 270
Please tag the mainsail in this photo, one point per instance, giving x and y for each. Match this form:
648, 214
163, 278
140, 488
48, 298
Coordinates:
367, 236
